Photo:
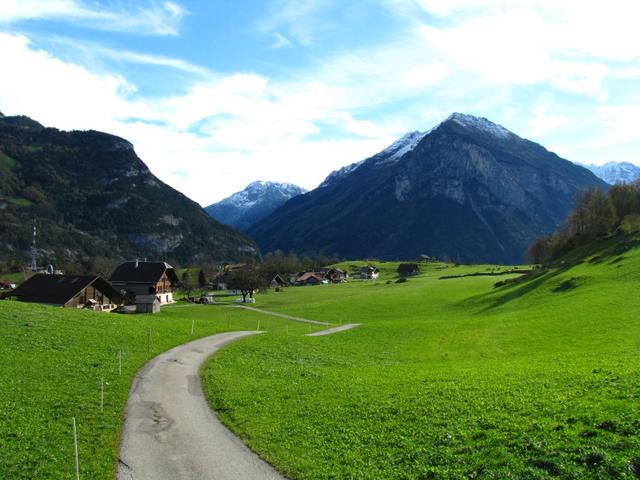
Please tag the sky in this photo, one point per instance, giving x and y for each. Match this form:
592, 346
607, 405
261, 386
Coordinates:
215, 94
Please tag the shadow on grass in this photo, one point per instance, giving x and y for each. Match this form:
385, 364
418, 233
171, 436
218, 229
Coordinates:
510, 292
610, 252
519, 290
614, 250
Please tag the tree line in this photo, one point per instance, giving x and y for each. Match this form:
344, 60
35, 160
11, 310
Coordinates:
596, 215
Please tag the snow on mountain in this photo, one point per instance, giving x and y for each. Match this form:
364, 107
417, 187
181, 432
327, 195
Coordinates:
409, 141
400, 147
481, 124
467, 189
255, 202
616, 172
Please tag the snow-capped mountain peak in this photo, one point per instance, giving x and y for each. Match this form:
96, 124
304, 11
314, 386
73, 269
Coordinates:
255, 202
481, 124
616, 172
409, 141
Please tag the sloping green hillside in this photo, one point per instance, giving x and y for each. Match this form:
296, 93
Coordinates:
450, 378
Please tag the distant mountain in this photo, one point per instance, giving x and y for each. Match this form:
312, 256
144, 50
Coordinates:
616, 172
468, 189
258, 200
95, 201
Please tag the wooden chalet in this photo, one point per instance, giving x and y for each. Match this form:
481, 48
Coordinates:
408, 270
426, 258
146, 278
369, 272
71, 291
336, 275
309, 278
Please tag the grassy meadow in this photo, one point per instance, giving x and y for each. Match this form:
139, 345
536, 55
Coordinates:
448, 378
52, 361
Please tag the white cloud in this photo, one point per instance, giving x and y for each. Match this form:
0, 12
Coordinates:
224, 132
301, 20
144, 18
230, 129
280, 41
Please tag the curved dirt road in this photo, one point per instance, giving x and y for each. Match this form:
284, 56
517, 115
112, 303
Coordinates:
169, 431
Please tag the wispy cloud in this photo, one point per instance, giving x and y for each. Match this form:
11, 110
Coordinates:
91, 51
300, 20
280, 41
148, 17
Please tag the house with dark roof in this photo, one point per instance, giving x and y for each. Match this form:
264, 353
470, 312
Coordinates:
146, 278
71, 291
408, 270
277, 281
336, 275
369, 272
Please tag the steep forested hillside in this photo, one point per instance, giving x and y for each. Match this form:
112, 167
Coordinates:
95, 202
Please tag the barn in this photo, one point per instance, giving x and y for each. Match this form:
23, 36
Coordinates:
71, 291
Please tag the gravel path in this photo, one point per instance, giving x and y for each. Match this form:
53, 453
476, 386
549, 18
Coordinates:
281, 315
329, 331
169, 431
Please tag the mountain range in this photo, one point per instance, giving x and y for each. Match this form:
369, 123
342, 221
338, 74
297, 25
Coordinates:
255, 202
616, 172
468, 189
93, 200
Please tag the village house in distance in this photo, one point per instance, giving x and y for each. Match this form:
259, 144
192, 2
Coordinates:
142, 279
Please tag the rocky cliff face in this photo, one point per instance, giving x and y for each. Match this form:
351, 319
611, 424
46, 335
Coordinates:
258, 200
468, 189
94, 201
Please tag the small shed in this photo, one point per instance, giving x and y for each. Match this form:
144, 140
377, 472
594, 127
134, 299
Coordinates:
147, 304
277, 281
408, 270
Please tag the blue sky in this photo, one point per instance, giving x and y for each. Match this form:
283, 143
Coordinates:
216, 94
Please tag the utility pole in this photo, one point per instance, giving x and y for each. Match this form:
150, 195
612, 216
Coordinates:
34, 262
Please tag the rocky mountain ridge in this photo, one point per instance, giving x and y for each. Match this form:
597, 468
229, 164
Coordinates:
468, 189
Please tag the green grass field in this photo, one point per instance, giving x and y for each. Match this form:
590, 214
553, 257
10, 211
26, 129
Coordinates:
52, 361
448, 378
445, 378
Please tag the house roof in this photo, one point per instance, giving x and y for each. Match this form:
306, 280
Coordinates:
143, 272
407, 267
336, 270
308, 275
59, 289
